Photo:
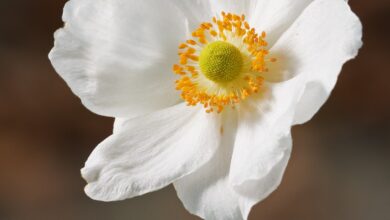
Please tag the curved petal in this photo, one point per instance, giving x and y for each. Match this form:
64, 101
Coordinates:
118, 124
149, 152
266, 170
274, 17
321, 40
117, 55
263, 142
235, 179
207, 192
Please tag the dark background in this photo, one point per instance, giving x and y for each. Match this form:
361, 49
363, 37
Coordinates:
339, 168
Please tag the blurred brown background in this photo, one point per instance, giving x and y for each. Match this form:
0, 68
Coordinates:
339, 170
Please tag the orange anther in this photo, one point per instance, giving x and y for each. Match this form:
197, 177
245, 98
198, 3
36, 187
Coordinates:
192, 42
182, 46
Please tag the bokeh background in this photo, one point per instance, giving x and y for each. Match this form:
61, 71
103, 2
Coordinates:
340, 165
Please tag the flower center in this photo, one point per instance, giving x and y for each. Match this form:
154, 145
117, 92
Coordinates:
221, 62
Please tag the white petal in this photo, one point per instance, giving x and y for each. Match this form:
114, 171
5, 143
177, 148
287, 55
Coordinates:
263, 142
117, 55
236, 7
228, 186
149, 152
321, 40
207, 192
195, 11
274, 17
118, 124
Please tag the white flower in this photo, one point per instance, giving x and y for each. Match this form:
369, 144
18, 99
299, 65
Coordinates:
219, 129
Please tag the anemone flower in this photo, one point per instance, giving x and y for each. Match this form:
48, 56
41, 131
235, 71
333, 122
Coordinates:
204, 93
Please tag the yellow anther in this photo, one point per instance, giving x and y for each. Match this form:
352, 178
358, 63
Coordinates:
192, 42
191, 50
183, 60
229, 16
247, 26
190, 68
192, 57
182, 46
213, 33
202, 40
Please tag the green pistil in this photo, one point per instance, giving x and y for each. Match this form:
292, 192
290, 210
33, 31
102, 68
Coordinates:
221, 62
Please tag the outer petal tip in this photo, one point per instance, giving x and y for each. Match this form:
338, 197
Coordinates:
148, 153
88, 174
100, 192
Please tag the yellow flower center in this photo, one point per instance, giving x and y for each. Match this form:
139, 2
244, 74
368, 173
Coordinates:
222, 64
